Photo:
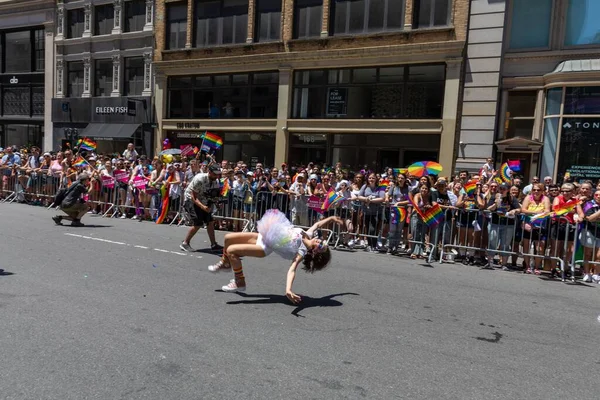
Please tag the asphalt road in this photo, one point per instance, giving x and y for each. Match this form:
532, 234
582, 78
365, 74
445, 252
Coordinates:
88, 315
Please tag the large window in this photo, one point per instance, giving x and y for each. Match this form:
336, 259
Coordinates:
583, 25
520, 114
582, 100
176, 25
74, 79
103, 78
430, 13
16, 100
308, 17
224, 96
221, 22
135, 15
75, 23
524, 34
134, 76
361, 16
388, 92
40, 50
18, 51
104, 19
268, 20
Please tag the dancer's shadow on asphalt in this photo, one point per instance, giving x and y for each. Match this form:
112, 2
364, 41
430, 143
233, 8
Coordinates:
5, 273
307, 302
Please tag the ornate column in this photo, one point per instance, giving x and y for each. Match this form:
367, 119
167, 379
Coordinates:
87, 20
60, 73
251, 24
60, 20
87, 76
147, 75
408, 15
116, 79
325, 18
118, 17
149, 25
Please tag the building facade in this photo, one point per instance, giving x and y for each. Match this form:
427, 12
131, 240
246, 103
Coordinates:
26, 72
534, 94
103, 68
369, 83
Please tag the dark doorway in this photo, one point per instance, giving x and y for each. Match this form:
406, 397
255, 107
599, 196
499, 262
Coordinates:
388, 158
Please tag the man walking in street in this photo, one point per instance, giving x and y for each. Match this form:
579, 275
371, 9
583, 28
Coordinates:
200, 195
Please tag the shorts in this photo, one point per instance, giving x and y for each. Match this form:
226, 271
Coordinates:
588, 239
263, 246
238, 203
535, 234
198, 216
559, 232
75, 208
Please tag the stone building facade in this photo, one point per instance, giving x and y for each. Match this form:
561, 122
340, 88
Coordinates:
374, 83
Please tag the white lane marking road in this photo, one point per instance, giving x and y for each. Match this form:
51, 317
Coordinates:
131, 245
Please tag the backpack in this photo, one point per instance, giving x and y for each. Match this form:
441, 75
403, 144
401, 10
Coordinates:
60, 196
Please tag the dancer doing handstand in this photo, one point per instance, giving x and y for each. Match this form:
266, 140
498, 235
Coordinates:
275, 235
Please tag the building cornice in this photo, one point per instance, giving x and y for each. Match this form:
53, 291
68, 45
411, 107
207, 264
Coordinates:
559, 55
25, 6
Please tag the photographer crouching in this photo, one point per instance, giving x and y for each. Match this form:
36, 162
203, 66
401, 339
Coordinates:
71, 201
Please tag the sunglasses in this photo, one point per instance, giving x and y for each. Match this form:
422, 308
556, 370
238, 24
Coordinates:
566, 191
536, 190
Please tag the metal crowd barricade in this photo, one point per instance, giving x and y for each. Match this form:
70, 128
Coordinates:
234, 210
587, 248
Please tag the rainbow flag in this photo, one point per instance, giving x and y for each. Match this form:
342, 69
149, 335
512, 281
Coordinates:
398, 171
398, 215
164, 192
225, 187
514, 165
87, 144
80, 162
470, 188
566, 208
505, 172
384, 184
431, 217
211, 142
541, 216
331, 199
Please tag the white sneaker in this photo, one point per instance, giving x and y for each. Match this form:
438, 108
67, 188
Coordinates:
351, 243
124, 216
596, 278
219, 267
186, 247
233, 287
587, 278
135, 217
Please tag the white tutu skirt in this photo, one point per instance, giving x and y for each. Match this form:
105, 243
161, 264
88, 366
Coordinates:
279, 235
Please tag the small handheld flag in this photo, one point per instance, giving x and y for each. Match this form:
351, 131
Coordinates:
505, 172
225, 188
211, 142
566, 208
87, 144
398, 215
80, 162
470, 188
384, 184
514, 165
331, 199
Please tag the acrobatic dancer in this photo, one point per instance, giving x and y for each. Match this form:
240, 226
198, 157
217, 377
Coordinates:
275, 235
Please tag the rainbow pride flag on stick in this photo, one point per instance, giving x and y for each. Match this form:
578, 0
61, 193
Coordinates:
470, 188
211, 142
225, 187
331, 199
87, 144
80, 162
514, 165
432, 217
398, 215
384, 184
566, 208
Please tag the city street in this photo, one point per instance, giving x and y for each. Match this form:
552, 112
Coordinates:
114, 310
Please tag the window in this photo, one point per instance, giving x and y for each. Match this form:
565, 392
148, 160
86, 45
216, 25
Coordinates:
176, 25
74, 79
221, 22
396, 92
135, 15
37, 100
583, 26
40, 50
134, 76
103, 77
18, 51
224, 96
524, 34
431, 13
75, 23
268, 20
582, 100
520, 114
361, 16
15, 100
104, 19
308, 16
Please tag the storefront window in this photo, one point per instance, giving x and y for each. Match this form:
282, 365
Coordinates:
583, 25
580, 148
224, 96
22, 135
387, 92
18, 51
15, 100
308, 15
527, 35
362, 16
582, 100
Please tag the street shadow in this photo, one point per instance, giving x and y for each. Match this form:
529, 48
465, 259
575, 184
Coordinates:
307, 301
5, 273
85, 226
208, 250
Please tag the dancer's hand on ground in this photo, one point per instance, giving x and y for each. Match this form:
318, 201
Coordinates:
293, 297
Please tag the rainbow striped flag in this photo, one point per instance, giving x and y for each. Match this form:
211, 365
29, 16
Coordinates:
384, 184
431, 217
566, 208
80, 162
87, 144
505, 172
398, 215
398, 171
211, 142
331, 199
470, 188
514, 165
225, 187
541, 216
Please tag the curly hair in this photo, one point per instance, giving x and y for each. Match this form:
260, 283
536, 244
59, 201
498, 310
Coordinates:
316, 261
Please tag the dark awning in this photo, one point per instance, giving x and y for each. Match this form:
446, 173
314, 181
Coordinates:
109, 131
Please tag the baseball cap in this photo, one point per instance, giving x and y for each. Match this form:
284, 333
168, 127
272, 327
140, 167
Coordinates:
313, 176
215, 169
250, 173
503, 186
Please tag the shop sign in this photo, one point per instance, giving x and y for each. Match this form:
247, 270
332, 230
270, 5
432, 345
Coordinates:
111, 110
188, 135
337, 102
584, 171
188, 125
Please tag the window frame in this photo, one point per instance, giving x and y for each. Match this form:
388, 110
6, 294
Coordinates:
365, 30
551, 32
508, 119
31, 50
100, 10
126, 80
257, 20
219, 21
130, 6
79, 12
417, 8
109, 63
169, 10
563, 31
70, 81
296, 24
